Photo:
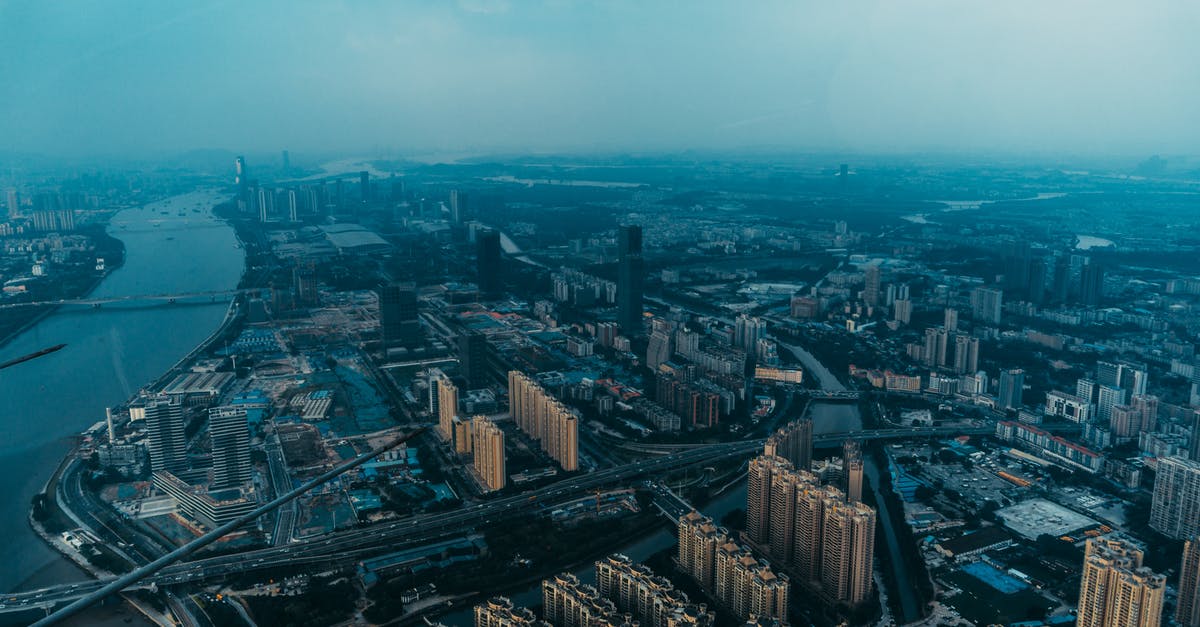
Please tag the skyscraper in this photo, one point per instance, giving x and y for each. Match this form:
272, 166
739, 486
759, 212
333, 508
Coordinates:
364, 185
472, 355
987, 304
847, 551
447, 402
1012, 388
488, 445
239, 176
165, 435
793, 442
14, 204
950, 319
760, 476
852, 470
1115, 590
747, 331
1091, 284
1187, 610
458, 206
630, 275
398, 321
1175, 511
870, 293
488, 263
545, 419
230, 436
1108, 397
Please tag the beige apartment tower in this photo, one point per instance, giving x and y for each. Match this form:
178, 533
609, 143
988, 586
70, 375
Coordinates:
1187, 611
1115, 590
489, 452
545, 419
847, 550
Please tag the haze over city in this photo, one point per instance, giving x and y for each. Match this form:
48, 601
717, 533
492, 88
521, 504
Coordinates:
479, 76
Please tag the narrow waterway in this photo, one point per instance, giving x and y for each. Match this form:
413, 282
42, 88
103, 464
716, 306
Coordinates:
172, 246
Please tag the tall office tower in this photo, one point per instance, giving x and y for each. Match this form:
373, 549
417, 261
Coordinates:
230, 436
1108, 397
500, 612
287, 161
950, 319
847, 551
239, 176
1012, 387
760, 476
747, 331
165, 433
660, 345
852, 470
1036, 288
447, 400
698, 539
1086, 389
630, 275
1091, 284
489, 264
545, 419
902, 311
1187, 610
459, 206
1175, 511
986, 304
871, 285
568, 603
364, 186
793, 442
1115, 590
635, 589
966, 354
398, 320
472, 355
488, 444
14, 204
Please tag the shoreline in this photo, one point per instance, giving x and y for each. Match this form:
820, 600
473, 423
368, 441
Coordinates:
51, 494
50, 309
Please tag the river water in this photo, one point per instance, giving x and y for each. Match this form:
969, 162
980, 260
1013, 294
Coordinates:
111, 352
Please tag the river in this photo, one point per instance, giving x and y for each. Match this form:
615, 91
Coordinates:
110, 353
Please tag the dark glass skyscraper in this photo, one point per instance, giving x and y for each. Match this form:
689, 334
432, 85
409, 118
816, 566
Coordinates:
398, 315
472, 354
487, 253
629, 280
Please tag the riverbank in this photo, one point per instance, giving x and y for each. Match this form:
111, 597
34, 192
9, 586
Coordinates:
15, 321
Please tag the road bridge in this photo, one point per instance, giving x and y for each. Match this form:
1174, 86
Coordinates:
96, 301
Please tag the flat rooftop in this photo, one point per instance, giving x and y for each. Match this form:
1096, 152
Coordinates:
1035, 517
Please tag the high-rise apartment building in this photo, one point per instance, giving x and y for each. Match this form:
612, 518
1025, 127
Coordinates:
852, 471
950, 319
230, 436
793, 442
1175, 511
1115, 590
568, 603
1187, 610
500, 612
630, 277
1108, 397
447, 402
728, 572
487, 442
847, 551
761, 474
986, 304
635, 589
545, 419
398, 321
966, 353
870, 293
165, 435
747, 331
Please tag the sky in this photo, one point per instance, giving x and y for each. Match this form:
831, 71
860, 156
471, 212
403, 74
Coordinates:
117, 77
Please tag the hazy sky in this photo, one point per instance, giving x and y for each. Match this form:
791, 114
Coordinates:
86, 77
